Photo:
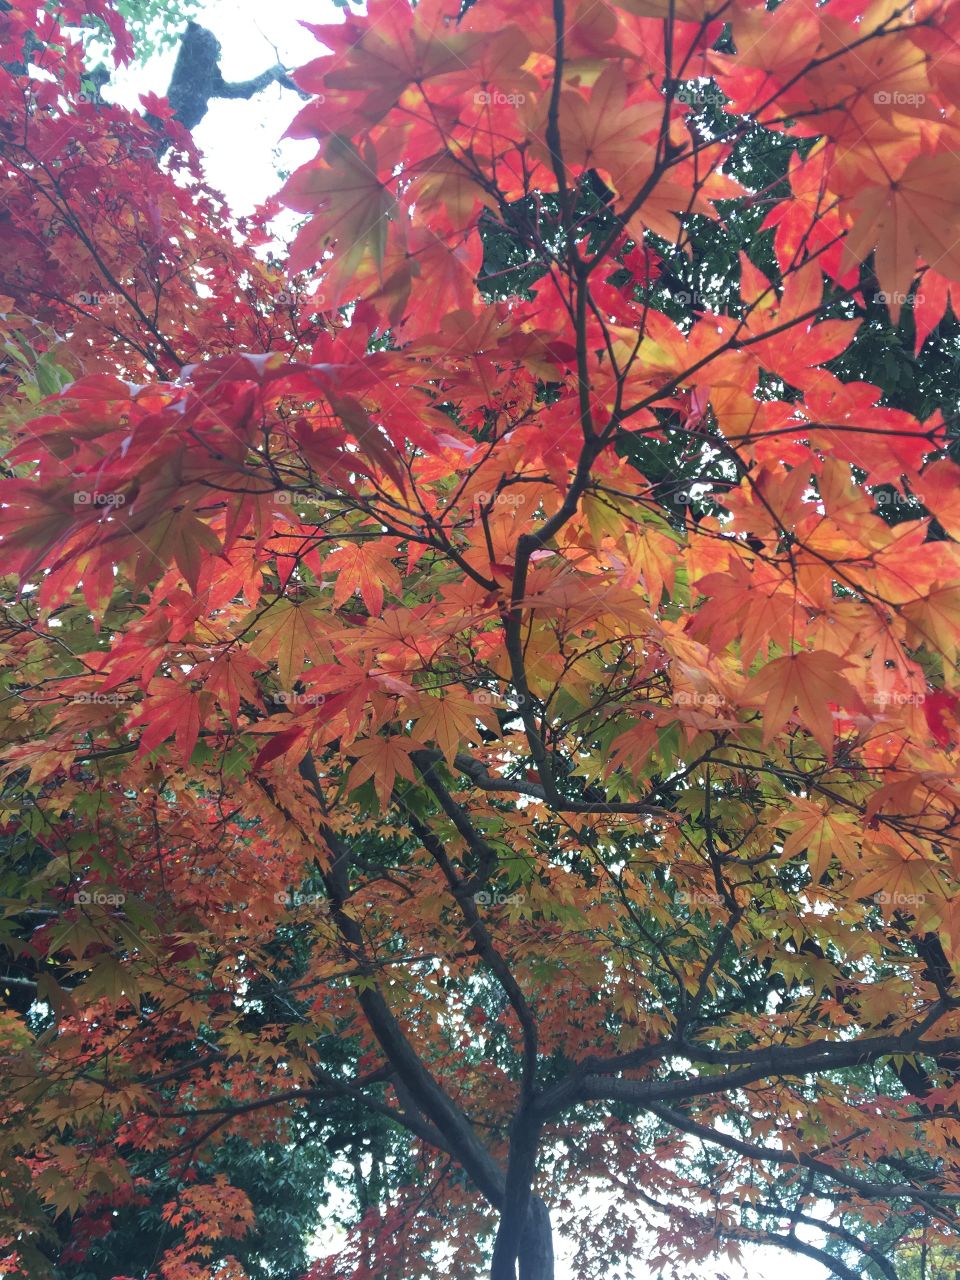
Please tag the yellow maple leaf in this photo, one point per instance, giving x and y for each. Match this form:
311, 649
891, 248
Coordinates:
935, 619
808, 682
366, 567
820, 833
449, 719
916, 214
351, 208
291, 633
382, 759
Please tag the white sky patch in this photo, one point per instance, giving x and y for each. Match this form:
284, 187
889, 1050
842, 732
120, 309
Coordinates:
242, 141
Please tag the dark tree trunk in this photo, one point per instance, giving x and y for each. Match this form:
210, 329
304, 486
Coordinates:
536, 1243
524, 1251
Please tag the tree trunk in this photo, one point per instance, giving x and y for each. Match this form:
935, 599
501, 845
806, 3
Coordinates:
532, 1247
536, 1243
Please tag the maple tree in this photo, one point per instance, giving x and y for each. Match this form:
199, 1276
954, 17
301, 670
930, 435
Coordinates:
491, 670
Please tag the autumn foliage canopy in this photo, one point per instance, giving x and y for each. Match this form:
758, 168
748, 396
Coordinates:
382, 723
